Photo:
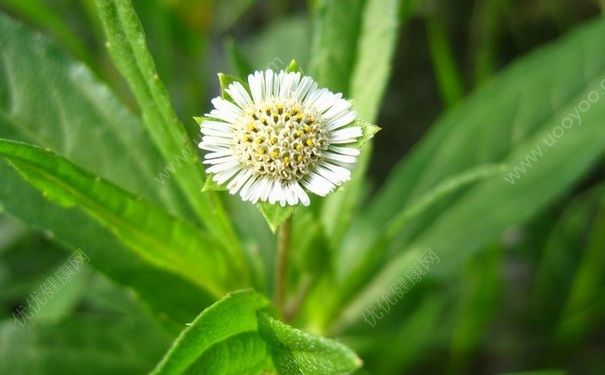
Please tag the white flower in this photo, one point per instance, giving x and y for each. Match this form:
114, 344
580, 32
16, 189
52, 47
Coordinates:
282, 137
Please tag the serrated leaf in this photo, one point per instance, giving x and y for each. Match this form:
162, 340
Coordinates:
296, 352
235, 336
162, 240
274, 214
232, 320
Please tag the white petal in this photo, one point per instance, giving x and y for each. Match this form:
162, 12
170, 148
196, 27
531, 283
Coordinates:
266, 190
345, 150
302, 195
248, 188
211, 147
226, 159
223, 176
345, 134
343, 174
226, 106
216, 125
274, 194
344, 119
328, 175
306, 83
239, 181
339, 108
313, 97
256, 192
218, 154
219, 141
327, 101
340, 158
216, 168
218, 133
318, 184
239, 94
256, 82
289, 84
277, 82
291, 196
268, 83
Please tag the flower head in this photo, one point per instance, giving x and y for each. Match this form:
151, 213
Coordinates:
280, 138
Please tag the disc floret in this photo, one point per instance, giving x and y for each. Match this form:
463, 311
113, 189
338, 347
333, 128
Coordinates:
281, 139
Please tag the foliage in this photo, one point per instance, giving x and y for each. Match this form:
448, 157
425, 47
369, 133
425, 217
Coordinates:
98, 157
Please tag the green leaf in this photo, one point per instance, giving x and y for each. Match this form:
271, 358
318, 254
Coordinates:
274, 214
231, 320
514, 106
447, 77
244, 353
402, 353
560, 259
297, 352
236, 336
378, 31
226, 14
52, 101
162, 240
211, 185
107, 342
175, 300
282, 40
238, 63
478, 303
49, 18
334, 44
582, 307
126, 43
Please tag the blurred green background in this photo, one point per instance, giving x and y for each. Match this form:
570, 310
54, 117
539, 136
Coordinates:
532, 300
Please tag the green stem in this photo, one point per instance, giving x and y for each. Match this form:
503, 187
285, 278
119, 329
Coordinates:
449, 80
281, 263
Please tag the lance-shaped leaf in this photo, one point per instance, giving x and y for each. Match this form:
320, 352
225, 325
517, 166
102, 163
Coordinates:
126, 43
162, 240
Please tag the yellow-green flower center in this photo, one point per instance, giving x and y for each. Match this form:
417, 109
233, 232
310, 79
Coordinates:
280, 139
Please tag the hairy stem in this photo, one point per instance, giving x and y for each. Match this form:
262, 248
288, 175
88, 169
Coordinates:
281, 263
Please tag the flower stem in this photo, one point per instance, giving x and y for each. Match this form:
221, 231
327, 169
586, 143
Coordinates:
281, 263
